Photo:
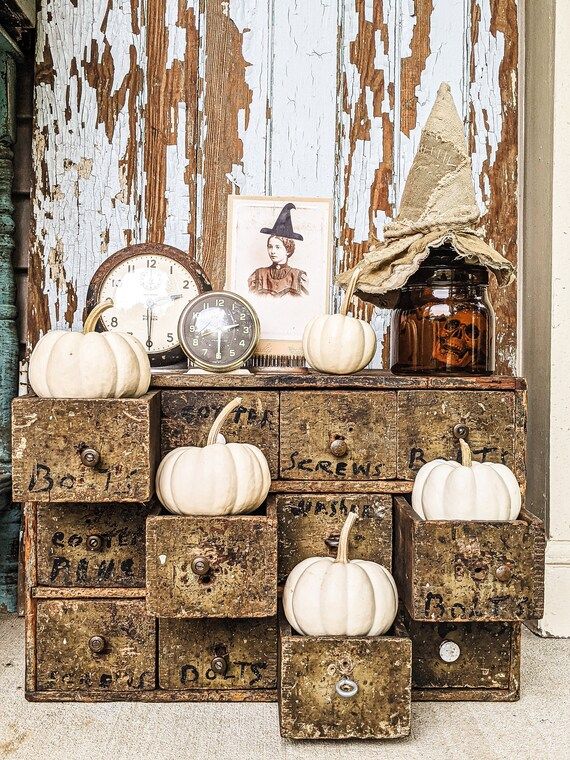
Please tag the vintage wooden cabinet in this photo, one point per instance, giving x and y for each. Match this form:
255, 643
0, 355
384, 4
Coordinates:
333, 444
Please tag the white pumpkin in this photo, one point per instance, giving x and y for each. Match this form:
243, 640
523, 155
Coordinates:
89, 364
339, 343
448, 490
217, 479
340, 597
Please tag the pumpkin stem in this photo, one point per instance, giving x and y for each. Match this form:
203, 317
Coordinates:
220, 419
342, 551
350, 288
466, 453
95, 313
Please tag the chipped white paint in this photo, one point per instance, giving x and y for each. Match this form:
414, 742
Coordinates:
82, 216
485, 95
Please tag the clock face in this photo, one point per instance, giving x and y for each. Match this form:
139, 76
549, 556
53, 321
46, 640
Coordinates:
218, 331
149, 293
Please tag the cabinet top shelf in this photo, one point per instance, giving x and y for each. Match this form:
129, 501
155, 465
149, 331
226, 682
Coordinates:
370, 379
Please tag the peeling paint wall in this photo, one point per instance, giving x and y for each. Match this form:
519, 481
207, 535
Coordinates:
148, 114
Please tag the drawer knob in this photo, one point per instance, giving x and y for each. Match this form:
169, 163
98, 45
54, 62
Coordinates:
461, 431
97, 644
332, 541
94, 543
219, 665
200, 566
339, 447
449, 651
90, 457
346, 688
504, 573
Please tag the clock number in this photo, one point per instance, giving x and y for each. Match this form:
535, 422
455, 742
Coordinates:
151, 263
169, 337
242, 343
192, 328
242, 317
186, 284
219, 301
195, 342
114, 322
246, 330
130, 267
232, 352
205, 351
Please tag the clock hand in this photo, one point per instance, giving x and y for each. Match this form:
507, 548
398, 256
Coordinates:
149, 326
219, 351
223, 329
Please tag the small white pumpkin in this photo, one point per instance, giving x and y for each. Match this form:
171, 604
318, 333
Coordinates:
340, 597
217, 479
339, 343
89, 364
448, 490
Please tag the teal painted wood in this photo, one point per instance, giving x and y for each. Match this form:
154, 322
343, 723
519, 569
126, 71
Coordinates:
9, 513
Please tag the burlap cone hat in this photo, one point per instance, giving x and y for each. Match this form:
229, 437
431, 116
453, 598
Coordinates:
438, 205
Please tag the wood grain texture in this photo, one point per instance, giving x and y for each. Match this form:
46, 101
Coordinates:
242, 554
447, 570
312, 666
186, 649
311, 422
187, 417
306, 521
99, 545
65, 660
49, 435
487, 668
157, 696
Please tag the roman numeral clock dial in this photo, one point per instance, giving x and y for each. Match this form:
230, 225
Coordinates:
150, 285
218, 331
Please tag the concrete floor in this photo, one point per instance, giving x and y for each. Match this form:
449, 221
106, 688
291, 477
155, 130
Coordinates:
537, 727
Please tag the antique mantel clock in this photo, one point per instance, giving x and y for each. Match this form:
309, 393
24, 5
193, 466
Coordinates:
150, 284
218, 331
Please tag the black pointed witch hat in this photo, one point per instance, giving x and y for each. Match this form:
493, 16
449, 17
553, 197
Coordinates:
283, 226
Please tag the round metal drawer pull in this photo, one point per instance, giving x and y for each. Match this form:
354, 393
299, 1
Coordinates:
461, 431
346, 688
94, 543
449, 651
200, 566
339, 447
90, 457
219, 665
97, 644
504, 573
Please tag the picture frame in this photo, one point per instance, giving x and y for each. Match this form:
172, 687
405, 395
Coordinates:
279, 256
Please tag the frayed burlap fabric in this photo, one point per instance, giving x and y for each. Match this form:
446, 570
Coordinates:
438, 205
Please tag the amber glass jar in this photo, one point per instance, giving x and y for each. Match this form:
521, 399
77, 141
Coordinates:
443, 322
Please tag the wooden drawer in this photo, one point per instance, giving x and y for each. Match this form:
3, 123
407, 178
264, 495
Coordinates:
338, 436
427, 418
50, 438
187, 417
70, 635
464, 661
241, 552
311, 668
469, 570
310, 524
99, 545
213, 655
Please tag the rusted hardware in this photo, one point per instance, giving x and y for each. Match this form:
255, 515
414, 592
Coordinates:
219, 664
504, 573
200, 566
97, 644
461, 431
90, 457
94, 543
339, 447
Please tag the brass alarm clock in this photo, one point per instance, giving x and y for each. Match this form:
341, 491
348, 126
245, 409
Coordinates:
218, 331
150, 284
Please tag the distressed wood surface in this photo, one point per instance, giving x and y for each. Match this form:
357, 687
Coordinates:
312, 666
309, 525
426, 420
186, 649
157, 696
187, 417
487, 668
65, 660
242, 554
449, 569
260, 98
96, 546
50, 434
311, 422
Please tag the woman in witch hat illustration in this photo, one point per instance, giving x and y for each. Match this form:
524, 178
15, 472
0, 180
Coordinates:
280, 279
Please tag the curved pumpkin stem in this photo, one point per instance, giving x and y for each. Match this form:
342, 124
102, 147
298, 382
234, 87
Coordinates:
466, 453
342, 551
350, 288
95, 313
220, 419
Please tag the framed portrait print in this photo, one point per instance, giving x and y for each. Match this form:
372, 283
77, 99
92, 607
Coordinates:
279, 257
